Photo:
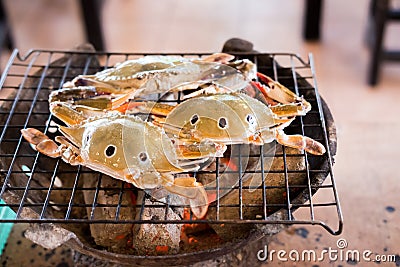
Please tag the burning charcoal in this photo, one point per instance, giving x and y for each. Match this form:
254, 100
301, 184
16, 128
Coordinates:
112, 236
156, 239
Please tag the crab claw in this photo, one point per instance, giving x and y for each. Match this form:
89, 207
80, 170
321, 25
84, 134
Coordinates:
300, 142
280, 93
41, 142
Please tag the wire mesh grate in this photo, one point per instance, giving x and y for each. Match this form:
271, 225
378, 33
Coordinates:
40, 189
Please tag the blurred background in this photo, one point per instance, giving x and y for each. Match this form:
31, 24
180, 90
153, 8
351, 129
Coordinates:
367, 117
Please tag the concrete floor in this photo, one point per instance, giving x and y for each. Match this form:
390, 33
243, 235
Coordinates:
367, 118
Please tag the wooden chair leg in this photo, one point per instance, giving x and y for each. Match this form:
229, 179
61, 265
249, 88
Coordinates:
379, 18
91, 10
312, 20
5, 36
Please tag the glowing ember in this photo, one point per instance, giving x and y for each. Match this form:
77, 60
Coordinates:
162, 249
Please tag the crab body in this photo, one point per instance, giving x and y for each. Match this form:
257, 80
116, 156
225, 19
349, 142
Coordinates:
227, 118
132, 150
232, 118
125, 148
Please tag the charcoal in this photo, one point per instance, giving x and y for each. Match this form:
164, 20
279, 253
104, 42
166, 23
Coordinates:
48, 236
156, 239
114, 237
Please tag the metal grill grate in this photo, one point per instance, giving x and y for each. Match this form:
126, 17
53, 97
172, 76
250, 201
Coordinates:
46, 190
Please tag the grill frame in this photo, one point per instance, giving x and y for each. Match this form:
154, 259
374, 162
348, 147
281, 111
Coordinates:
31, 61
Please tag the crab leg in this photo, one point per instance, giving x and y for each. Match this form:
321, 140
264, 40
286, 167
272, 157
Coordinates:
199, 150
279, 92
66, 113
300, 142
158, 109
289, 110
76, 114
182, 134
188, 187
90, 80
71, 94
208, 88
41, 142
48, 147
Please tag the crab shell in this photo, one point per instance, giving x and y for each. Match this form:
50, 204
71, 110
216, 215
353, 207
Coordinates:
227, 118
158, 74
125, 148
126, 75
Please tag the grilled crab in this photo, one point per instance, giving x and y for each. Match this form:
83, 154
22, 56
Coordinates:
234, 118
130, 149
153, 75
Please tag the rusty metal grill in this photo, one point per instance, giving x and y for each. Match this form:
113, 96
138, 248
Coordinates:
25, 85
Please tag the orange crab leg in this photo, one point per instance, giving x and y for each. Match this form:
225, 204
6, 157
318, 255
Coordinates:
277, 91
41, 142
300, 142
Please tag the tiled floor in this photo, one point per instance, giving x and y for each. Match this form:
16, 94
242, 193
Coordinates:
367, 118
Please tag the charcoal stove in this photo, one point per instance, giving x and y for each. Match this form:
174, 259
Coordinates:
76, 206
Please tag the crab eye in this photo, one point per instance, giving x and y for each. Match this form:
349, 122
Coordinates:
194, 119
250, 119
222, 123
110, 151
143, 156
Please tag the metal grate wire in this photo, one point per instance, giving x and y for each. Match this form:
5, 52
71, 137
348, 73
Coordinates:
30, 182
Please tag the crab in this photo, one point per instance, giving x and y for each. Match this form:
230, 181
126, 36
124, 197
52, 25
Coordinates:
153, 75
230, 117
130, 149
